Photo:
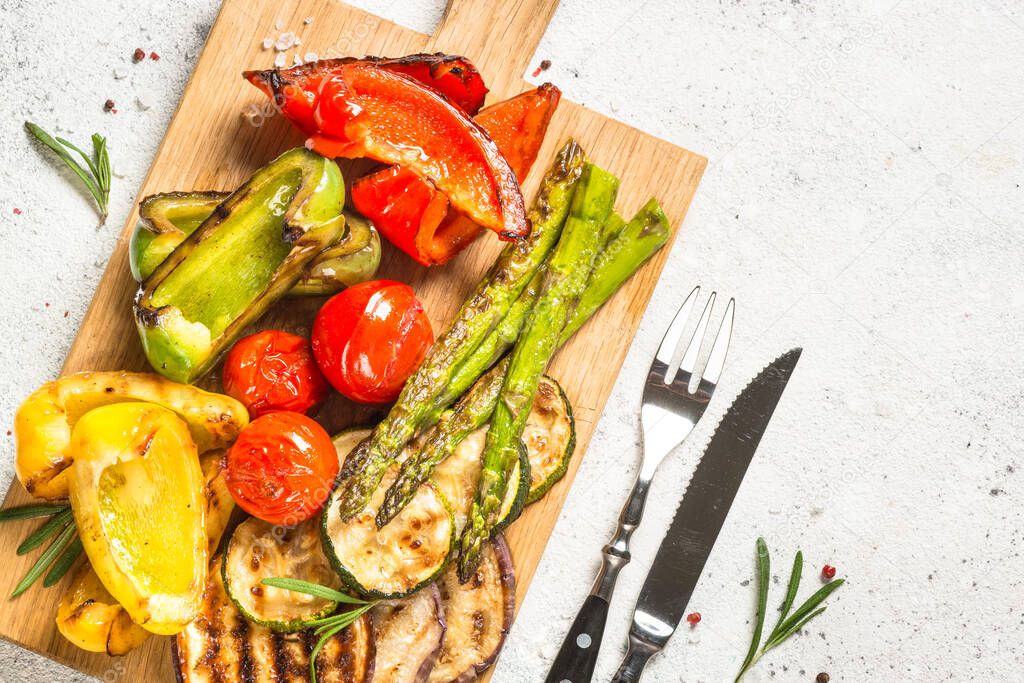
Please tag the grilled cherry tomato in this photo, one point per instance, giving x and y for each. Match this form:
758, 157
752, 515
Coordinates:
362, 109
417, 218
273, 370
369, 338
282, 468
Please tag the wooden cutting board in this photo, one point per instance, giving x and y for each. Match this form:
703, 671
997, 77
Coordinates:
210, 144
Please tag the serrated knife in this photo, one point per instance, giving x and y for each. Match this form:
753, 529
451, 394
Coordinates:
700, 515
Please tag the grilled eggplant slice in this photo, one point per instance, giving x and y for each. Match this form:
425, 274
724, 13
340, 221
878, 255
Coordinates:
408, 634
395, 561
550, 437
478, 615
222, 645
260, 550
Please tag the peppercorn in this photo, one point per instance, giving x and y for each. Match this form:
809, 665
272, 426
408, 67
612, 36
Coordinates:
693, 618
828, 571
154, 56
108, 106
822, 678
138, 55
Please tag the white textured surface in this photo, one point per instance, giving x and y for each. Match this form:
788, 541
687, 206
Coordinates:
863, 200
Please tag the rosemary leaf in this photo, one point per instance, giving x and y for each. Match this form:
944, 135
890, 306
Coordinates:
39, 536
763, 578
314, 589
31, 511
319, 646
794, 584
782, 637
786, 628
63, 563
46, 559
96, 173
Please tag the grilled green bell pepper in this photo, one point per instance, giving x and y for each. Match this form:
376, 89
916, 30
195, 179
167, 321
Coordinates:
166, 219
347, 262
239, 261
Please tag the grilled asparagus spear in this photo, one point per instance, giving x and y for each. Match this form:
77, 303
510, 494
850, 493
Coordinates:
564, 280
477, 318
636, 242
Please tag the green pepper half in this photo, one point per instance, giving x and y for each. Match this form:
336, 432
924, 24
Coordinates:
166, 219
245, 256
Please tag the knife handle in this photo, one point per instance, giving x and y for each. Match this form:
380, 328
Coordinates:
578, 654
633, 663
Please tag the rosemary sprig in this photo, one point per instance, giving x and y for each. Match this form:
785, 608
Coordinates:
61, 553
95, 175
46, 559
31, 511
39, 536
787, 624
328, 627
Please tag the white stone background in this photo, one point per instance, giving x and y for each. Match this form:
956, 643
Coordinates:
862, 200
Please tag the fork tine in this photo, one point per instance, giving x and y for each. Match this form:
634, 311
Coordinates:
689, 362
675, 330
716, 361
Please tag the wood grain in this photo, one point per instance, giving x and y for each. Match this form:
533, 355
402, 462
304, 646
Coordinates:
210, 145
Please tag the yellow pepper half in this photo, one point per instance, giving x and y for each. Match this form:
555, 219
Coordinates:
137, 493
90, 617
44, 421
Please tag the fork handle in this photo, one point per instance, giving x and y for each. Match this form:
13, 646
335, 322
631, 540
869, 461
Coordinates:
578, 655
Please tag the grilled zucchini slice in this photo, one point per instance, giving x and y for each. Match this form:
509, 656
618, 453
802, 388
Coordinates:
459, 475
408, 635
550, 437
478, 614
401, 558
222, 645
260, 550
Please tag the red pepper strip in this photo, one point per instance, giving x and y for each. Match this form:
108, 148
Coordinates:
454, 77
295, 89
415, 216
363, 110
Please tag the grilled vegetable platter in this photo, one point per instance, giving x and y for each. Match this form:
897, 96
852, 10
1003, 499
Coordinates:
205, 501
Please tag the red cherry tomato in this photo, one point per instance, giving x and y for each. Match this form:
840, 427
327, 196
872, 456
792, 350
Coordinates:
273, 370
282, 468
369, 338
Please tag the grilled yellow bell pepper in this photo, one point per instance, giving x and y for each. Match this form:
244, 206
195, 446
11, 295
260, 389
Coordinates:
44, 421
137, 495
242, 259
165, 220
90, 617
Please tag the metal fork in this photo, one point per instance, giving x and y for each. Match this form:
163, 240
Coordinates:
672, 405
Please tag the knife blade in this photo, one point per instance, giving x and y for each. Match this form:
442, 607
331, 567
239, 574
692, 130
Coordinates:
700, 515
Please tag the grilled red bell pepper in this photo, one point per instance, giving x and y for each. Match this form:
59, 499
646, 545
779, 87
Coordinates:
416, 217
359, 108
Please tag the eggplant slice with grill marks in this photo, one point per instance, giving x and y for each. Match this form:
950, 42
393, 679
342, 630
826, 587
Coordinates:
222, 646
478, 615
408, 634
